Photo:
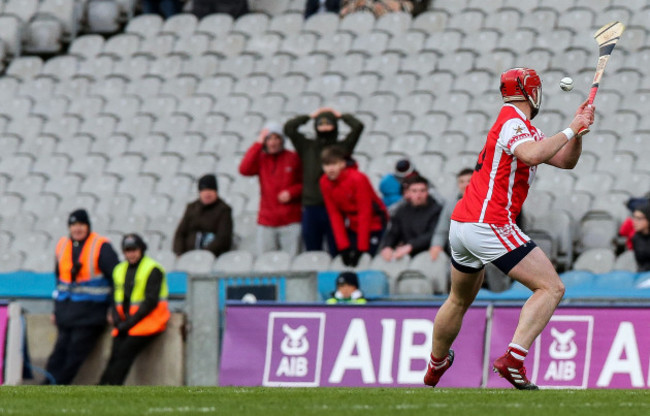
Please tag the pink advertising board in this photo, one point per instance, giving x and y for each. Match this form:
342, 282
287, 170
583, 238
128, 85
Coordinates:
582, 348
369, 346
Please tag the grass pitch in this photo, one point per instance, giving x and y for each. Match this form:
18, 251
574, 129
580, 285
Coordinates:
258, 401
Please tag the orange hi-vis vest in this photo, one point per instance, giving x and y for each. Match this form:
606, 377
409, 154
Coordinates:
156, 320
88, 284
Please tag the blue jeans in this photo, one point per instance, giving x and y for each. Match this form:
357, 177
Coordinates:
316, 227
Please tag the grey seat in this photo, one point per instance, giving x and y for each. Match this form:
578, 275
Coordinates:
575, 203
76, 146
217, 25
10, 34
357, 23
195, 262
64, 11
140, 187
199, 165
311, 260
286, 24
597, 260
322, 24
231, 45
168, 66
236, 261
272, 262
44, 35
253, 85
145, 25
99, 127
626, 261
26, 186
124, 165
237, 66
23, 9
431, 123
116, 205
380, 104
300, 44
103, 17
336, 44
25, 67
86, 108
122, 45
153, 205
129, 224
245, 226
251, 24
11, 204
16, 166
157, 46
87, 46
559, 224
10, 261
632, 182
372, 43
266, 44
412, 282
186, 146
392, 268
99, 184
233, 105
274, 8
180, 25
194, 45
88, 165
201, 66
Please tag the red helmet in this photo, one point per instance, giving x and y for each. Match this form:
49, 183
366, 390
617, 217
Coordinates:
522, 84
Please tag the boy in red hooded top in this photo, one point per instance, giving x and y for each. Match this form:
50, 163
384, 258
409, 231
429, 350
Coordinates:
357, 214
280, 174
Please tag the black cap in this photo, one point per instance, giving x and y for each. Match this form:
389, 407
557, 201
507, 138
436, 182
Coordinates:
133, 240
403, 168
349, 278
645, 209
208, 181
79, 216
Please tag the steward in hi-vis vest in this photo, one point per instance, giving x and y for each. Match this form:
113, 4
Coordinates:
140, 311
84, 266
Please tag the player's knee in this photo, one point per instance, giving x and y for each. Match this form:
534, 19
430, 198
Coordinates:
557, 290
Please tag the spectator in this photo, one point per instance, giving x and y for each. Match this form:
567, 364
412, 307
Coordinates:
321, 6
390, 185
627, 227
641, 239
84, 266
347, 290
315, 221
411, 225
357, 214
140, 311
235, 8
207, 222
440, 238
280, 175
377, 7
164, 8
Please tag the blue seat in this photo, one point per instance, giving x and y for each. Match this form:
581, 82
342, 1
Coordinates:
177, 283
25, 284
642, 280
615, 280
577, 278
516, 292
373, 283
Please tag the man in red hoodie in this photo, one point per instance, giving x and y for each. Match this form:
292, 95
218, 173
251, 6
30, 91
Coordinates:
280, 175
350, 200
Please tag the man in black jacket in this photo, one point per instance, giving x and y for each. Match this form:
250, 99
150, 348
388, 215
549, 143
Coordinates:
412, 223
207, 222
315, 222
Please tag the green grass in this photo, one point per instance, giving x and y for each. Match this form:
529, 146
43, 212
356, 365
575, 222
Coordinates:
258, 401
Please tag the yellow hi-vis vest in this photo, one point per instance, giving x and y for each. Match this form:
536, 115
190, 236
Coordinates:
156, 321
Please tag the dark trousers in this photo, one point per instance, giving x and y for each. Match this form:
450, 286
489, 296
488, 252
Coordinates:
125, 350
165, 8
375, 239
316, 227
73, 344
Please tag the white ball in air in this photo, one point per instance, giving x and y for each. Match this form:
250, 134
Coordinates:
566, 84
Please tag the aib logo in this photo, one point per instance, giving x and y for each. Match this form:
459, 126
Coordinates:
294, 349
563, 352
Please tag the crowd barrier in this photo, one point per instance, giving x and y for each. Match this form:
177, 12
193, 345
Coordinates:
388, 346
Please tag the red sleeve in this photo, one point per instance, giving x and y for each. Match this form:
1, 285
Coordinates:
627, 230
334, 214
364, 212
295, 189
250, 163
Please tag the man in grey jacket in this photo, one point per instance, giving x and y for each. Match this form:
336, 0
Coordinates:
441, 233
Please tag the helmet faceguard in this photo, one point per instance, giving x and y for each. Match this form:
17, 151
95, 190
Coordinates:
522, 84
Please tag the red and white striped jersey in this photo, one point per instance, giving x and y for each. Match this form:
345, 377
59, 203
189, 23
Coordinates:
500, 183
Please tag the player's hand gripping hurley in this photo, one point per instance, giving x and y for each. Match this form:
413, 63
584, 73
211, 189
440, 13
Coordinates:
606, 37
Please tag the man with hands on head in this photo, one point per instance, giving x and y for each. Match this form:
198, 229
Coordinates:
315, 222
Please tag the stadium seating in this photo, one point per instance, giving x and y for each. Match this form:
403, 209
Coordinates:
124, 122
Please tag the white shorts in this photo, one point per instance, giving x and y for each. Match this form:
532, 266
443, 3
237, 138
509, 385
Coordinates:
474, 244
